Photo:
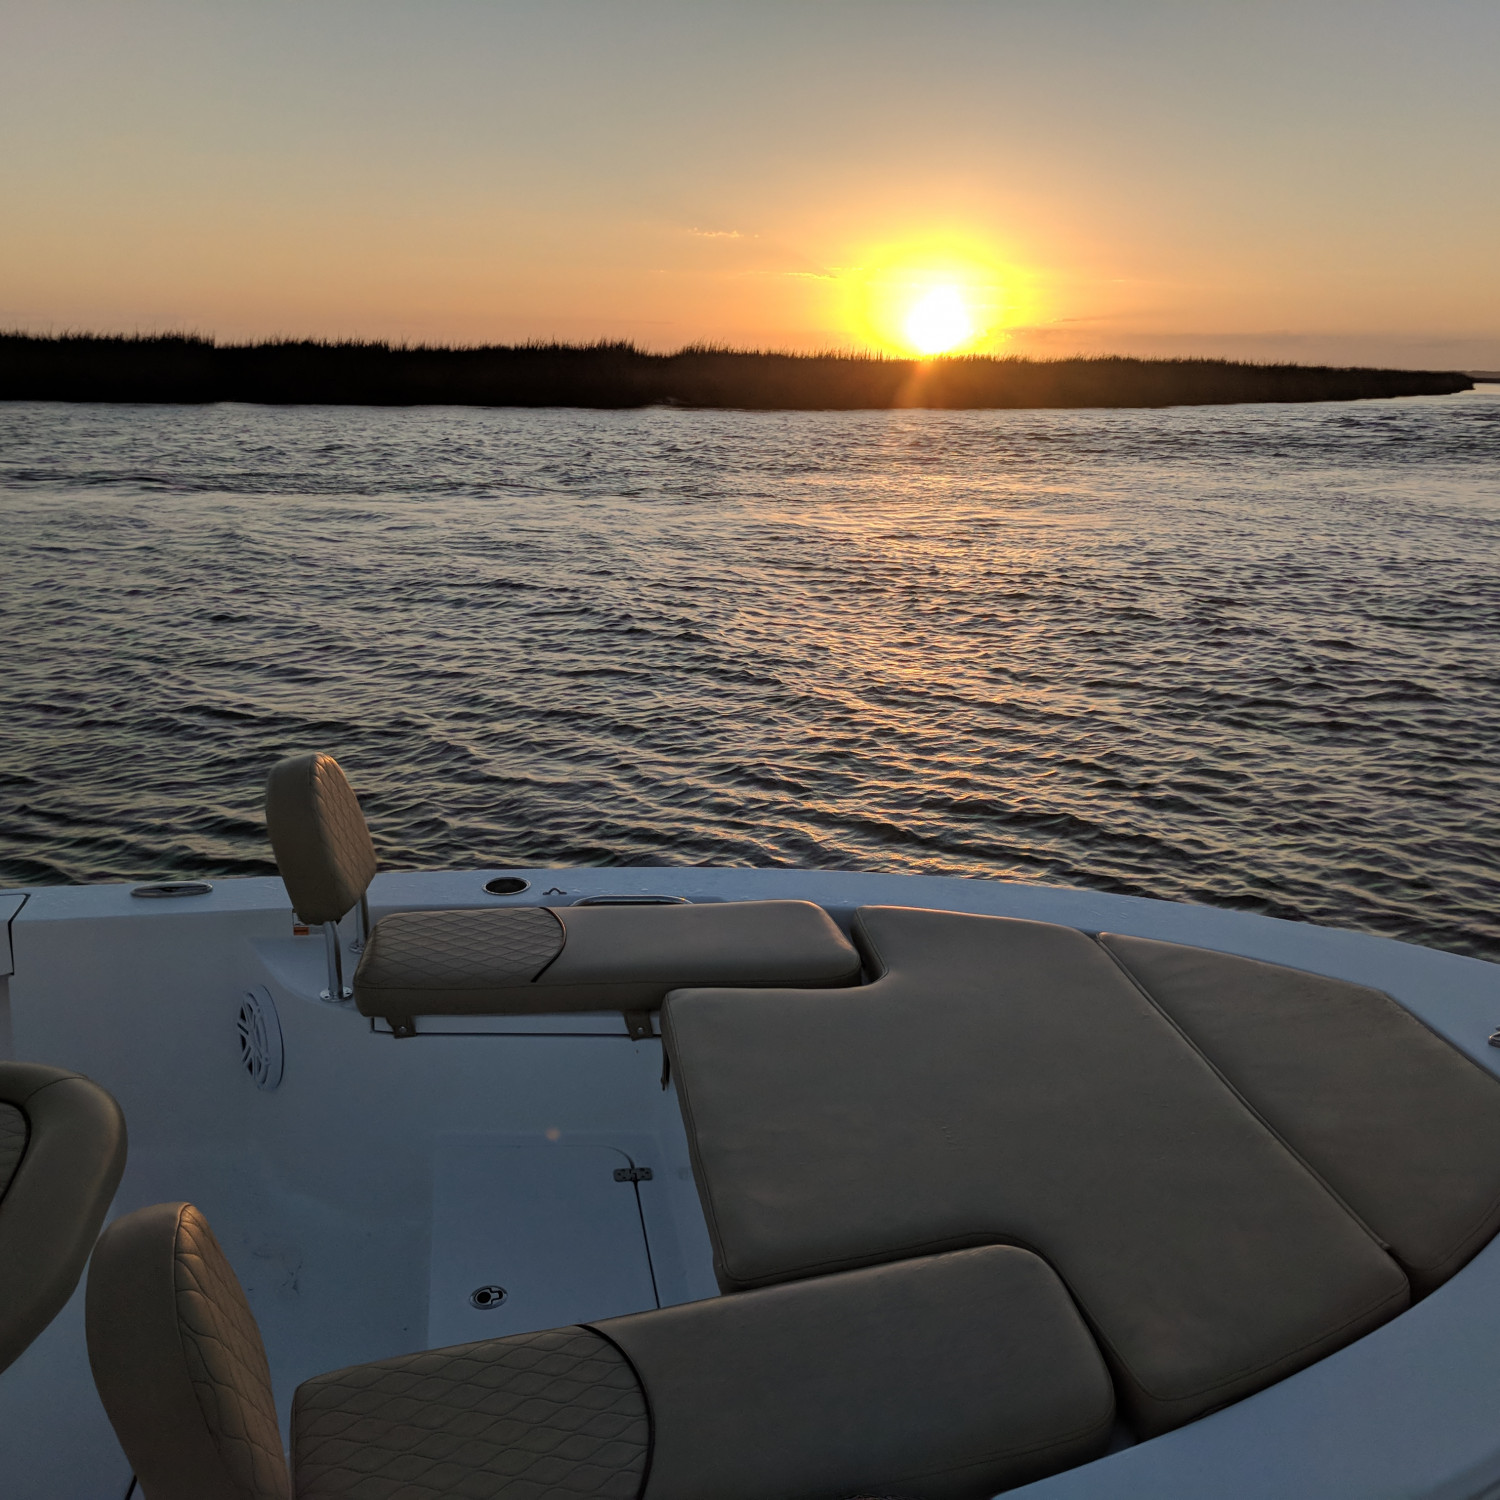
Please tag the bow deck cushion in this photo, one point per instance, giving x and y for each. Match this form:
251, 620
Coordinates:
1405, 1128
1005, 1081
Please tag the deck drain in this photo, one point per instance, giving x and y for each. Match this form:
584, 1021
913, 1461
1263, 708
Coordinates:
486, 1297
259, 1029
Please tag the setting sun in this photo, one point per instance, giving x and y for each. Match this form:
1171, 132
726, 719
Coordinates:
939, 321
934, 294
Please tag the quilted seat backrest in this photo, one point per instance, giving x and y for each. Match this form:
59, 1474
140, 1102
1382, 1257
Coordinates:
62, 1150
13, 1134
178, 1361
319, 836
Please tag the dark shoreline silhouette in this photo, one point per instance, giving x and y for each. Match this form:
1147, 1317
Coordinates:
184, 369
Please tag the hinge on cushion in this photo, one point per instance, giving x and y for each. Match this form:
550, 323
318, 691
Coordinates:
405, 1028
638, 1024
632, 1174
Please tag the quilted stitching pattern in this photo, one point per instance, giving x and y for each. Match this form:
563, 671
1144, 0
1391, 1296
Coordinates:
460, 949
538, 1416
226, 1363
343, 829
13, 1134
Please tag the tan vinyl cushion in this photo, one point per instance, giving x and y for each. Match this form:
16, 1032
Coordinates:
1401, 1125
179, 1363
1004, 1081
319, 836
948, 1378
524, 960
532, 1417
62, 1150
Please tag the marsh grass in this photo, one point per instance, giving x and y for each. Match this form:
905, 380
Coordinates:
186, 368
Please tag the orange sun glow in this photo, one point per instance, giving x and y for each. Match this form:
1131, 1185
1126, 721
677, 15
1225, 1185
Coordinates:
925, 298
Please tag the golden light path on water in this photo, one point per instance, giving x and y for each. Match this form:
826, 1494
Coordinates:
1234, 655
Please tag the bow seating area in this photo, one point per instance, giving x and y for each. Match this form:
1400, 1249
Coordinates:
952, 1375
1223, 1213
525, 960
979, 1191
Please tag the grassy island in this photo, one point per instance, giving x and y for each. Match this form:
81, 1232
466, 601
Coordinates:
180, 368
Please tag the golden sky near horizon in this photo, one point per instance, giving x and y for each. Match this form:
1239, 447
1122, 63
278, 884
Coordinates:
1310, 181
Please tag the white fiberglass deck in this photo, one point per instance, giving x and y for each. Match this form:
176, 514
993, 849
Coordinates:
365, 1199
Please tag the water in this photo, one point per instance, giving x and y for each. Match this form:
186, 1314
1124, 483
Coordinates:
1247, 655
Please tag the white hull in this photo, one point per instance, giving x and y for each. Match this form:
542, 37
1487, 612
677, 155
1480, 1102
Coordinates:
363, 1198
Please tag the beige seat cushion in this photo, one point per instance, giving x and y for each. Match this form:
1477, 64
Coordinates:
1005, 1081
62, 1150
319, 836
947, 1378
1401, 1125
178, 1361
539, 960
531, 1417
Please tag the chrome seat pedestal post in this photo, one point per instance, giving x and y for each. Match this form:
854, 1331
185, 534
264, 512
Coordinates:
336, 993
362, 926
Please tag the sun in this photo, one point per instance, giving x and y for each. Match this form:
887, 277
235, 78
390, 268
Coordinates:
931, 295
939, 320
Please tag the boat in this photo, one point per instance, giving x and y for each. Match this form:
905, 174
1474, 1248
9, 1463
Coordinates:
813, 1184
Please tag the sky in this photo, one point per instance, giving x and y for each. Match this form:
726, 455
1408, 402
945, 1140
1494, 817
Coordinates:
1312, 181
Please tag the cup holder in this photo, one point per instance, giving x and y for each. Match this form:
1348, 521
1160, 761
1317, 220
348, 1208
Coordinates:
507, 885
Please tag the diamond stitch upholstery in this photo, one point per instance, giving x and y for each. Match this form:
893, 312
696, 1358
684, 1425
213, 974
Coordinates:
947, 1377
459, 950
537, 1416
319, 837
62, 1150
13, 1134
534, 961
178, 1361
528, 960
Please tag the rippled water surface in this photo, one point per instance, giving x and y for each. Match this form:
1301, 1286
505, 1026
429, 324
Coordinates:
1240, 655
